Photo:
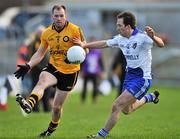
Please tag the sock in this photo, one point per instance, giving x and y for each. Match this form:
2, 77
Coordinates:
102, 133
33, 99
52, 126
149, 97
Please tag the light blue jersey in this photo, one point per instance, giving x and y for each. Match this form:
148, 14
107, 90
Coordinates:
137, 51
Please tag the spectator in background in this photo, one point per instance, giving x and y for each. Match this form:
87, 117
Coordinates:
14, 31
34, 42
92, 69
9, 84
22, 58
118, 71
4, 96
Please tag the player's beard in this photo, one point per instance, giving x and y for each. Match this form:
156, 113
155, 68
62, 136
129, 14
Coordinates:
59, 26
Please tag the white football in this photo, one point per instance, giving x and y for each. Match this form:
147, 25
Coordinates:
76, 54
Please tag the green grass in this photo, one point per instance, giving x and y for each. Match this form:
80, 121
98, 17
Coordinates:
160, 121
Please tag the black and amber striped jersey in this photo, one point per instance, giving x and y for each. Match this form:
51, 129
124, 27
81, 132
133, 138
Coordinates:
58, 43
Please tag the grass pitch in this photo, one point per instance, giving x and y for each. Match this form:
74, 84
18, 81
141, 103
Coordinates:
161, 121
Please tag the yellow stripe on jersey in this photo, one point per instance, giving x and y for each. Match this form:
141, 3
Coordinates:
59, 43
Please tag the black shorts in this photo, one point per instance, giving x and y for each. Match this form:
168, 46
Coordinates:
65, 82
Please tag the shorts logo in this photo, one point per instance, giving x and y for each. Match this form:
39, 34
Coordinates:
66, 39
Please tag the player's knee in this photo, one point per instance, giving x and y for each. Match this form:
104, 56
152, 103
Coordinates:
126, 112
118, 106
42, 84
115, 107
44, 81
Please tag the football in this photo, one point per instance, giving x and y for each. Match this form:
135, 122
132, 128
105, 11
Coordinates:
76, 54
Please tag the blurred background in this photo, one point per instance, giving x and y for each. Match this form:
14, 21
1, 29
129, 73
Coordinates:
21, 21
20, 18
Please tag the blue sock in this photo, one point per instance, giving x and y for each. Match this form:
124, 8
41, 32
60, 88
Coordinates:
102, 133
149, 97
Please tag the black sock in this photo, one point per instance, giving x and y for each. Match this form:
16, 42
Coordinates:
52, 127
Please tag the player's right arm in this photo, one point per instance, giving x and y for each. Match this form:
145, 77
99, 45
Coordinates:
96, 44
38, 56
35, 59
101, 43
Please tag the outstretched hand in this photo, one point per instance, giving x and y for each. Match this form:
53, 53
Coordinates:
21, 71
77, 41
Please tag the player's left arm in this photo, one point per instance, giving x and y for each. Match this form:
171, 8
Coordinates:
151, 33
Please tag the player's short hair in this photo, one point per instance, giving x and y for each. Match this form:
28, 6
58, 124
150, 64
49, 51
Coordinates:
58, 7
128, 19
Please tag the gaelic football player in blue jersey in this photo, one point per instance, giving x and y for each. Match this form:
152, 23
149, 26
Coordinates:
136, 46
